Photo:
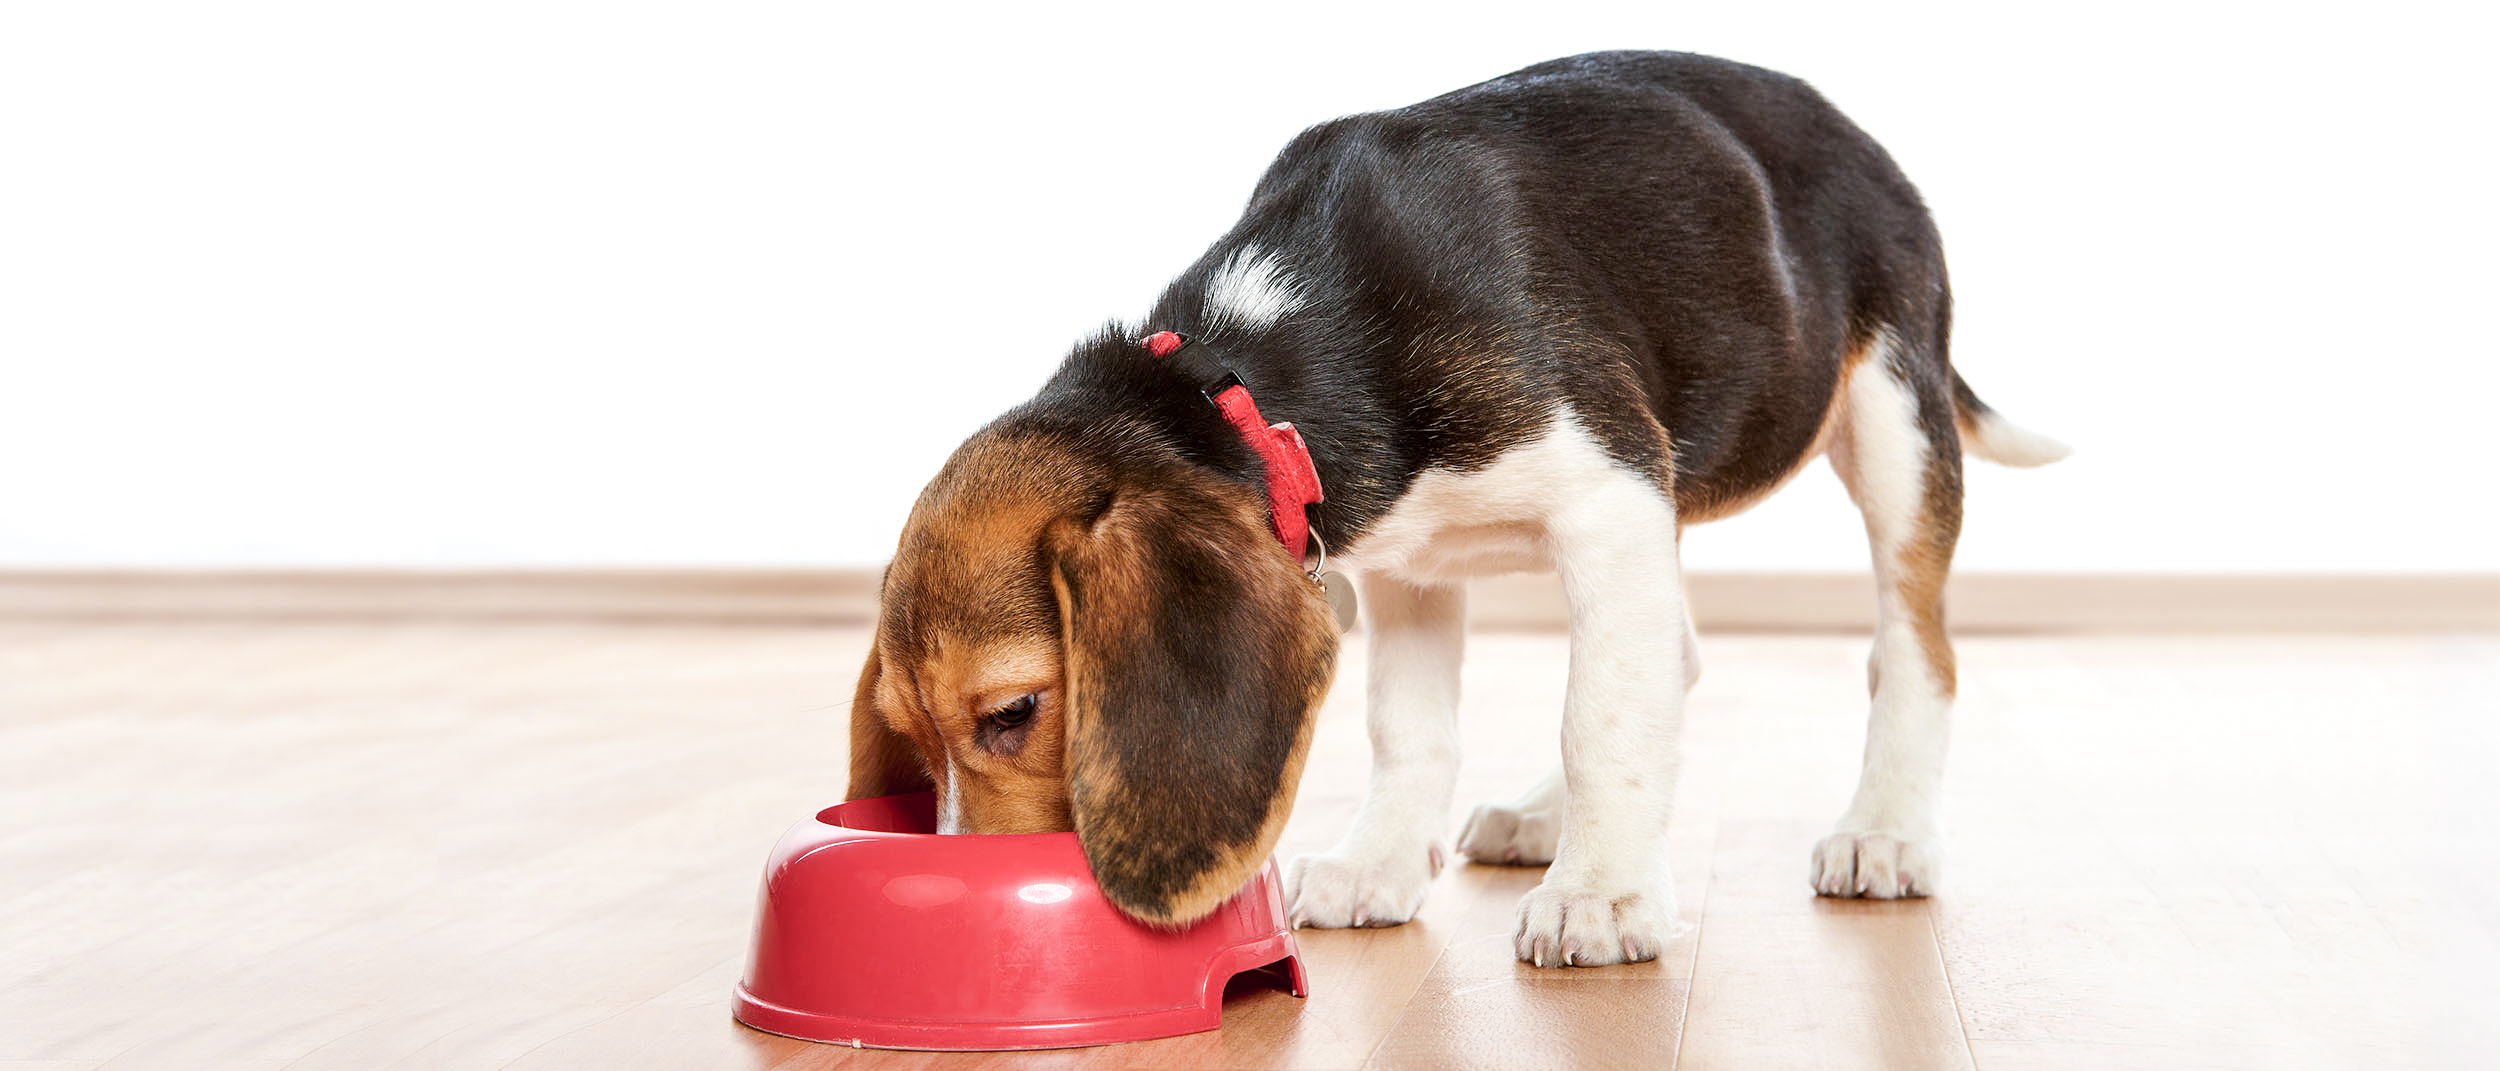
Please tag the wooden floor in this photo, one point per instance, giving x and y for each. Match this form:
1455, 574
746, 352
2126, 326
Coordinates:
537, 846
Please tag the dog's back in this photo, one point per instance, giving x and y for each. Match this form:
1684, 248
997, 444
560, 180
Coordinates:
1651, 239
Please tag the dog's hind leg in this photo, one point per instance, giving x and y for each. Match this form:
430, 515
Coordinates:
1378, 874
1519, 832
1899, 454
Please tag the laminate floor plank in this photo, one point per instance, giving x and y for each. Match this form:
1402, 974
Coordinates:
444, 845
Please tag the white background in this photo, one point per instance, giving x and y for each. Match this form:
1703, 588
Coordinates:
520, 284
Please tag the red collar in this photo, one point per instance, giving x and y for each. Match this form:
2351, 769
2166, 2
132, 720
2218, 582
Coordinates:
1292, 481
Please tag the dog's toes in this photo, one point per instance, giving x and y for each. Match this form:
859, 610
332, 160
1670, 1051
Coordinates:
1504, 834
1335, 891
1875, 865
1580, 927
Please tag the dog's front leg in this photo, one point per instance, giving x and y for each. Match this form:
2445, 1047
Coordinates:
1523, 831
1608, 897
1378, 874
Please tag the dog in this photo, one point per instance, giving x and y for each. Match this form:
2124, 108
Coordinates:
1540, 323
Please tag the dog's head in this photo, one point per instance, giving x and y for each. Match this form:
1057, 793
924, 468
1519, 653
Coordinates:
1083, 631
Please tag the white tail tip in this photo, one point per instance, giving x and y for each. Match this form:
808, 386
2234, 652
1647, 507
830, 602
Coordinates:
1997, 439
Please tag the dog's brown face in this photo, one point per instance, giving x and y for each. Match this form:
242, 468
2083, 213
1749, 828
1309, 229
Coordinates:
1076, 636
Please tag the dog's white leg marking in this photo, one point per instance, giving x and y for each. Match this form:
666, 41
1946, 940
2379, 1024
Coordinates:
1886, 846
1607, 898
1523, 831
1378, 875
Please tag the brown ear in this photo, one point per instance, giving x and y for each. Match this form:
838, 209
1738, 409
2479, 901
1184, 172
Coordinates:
883, 763
1196, 654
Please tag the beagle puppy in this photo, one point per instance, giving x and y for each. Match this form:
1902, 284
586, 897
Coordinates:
1540, 323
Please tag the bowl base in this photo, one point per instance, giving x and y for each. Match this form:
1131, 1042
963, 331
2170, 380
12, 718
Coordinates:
762, 1015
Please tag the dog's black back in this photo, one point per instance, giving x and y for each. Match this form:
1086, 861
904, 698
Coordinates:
1654, 240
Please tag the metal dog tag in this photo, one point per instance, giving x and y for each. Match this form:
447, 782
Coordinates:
1340, 592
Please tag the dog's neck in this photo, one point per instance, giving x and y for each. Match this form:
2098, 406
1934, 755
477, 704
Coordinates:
1292, 482
1147, 411
1316, 369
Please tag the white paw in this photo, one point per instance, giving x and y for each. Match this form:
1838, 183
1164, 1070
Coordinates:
1876, 865
1584, 927
1506, 834
1335, 891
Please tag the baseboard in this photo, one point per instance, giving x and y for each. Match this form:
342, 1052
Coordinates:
772, 596
2006, 603
1977, 603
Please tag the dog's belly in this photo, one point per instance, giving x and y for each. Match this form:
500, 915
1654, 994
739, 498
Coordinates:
1426, 542
1453, 524
1454, 554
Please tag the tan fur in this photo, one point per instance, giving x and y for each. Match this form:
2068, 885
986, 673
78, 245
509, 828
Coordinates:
1107, 592
1927, 558
970, 641
999, 794
982, 606
1235, 863
1921, 588
883, 762
1925, 555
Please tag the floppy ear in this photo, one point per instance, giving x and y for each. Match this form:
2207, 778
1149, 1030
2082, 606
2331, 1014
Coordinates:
1196, 654
883, 763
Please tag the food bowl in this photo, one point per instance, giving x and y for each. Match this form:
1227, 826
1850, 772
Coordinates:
873, 931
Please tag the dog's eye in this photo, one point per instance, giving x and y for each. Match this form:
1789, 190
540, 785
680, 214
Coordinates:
1013, 714
1003, 731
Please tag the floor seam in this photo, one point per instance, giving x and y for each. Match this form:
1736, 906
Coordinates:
1961, 1023
1701, 932
1371, 1057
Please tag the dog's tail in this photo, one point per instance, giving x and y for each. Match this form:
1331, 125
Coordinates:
1987, 433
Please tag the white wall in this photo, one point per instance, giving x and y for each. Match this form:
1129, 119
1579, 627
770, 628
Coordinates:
601, 284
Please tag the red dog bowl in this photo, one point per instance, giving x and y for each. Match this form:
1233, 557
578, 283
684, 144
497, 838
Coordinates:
873, 931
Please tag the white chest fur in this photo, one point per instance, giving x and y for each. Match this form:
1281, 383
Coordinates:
1454, 524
